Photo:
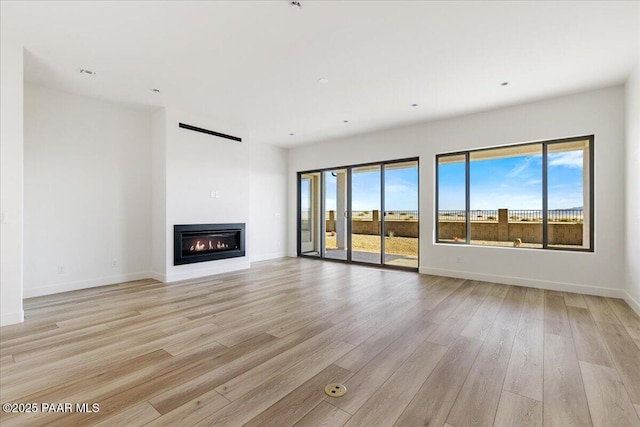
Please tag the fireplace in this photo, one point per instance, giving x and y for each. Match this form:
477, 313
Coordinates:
207, 242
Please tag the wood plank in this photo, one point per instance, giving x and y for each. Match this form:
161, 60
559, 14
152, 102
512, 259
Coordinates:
324, 415
137, 415
387, 403
260, 398
478, 400
310, 350
250, 358
183, 368
525, 373
6, 359
451, 327
625, 314
294, 406
433, 401
510, 309
574, 300
565, 401
108, 376
482, 321
533, 307
586, 338
441, 311
608, 400
625, 355
192, 411
184, 342
362, 354
51, 341
634, 333
516, 410
556, 320
363, 384
600, 310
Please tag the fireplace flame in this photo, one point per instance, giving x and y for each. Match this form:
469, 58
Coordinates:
199, 246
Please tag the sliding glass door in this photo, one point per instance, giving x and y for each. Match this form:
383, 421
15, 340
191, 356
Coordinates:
366, 244
308, 214
401, 214
361, 213
335, 213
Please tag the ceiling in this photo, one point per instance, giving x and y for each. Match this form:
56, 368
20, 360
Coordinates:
254, 66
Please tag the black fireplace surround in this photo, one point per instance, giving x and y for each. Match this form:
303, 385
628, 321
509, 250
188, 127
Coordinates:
207, 242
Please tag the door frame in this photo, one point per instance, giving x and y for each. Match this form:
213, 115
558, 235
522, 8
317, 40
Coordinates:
320, 239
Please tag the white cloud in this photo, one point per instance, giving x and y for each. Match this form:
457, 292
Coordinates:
519, 168
569, 159
534, 182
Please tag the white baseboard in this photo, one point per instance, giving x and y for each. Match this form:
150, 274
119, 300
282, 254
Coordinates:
160, 277
532, 283
193, 274
267, 257
84, 284
635, 305
12, 318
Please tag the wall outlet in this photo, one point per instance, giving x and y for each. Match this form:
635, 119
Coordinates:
60, 269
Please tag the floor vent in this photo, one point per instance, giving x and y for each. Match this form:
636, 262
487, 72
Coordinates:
335, 390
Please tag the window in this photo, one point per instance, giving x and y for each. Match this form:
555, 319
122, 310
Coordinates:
537, 195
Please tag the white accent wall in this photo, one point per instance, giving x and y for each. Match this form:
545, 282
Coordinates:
600, 112
198, 165
87, 192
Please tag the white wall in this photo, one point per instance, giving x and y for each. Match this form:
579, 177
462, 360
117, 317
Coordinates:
196, 165
159, 195
110, 183
87, 192
11, 182
267, 202
632, 232
599, 112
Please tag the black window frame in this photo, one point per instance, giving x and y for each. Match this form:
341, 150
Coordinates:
545, 144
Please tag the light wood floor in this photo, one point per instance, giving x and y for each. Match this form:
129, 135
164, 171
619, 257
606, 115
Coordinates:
257, 347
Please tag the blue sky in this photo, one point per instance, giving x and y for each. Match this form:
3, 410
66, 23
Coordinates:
401, 190
513, 182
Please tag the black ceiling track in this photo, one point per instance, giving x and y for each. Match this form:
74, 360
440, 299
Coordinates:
209, 132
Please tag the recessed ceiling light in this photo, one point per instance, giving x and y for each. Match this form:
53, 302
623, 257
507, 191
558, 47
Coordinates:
88, 72
414, 105
323, 80
504, 83
155, 90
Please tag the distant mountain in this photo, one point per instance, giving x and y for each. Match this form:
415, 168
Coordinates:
578, 208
